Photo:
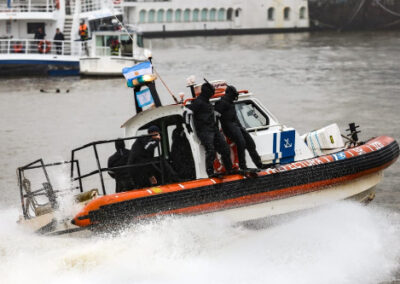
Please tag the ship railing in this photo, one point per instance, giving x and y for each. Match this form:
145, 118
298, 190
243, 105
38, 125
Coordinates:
40, 47
27, 6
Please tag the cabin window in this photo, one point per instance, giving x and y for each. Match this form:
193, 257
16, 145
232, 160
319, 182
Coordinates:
250, 116
186, 15
302, 13
139, 40
213, 14
126, 45
169, 15
33, 27
271, 14
286, 13
221, 14
175, 148
195, 15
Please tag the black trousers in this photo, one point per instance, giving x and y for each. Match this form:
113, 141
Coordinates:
243, 141
215, 142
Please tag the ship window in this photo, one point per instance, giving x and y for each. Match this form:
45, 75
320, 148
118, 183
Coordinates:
33, 27
151, 16
178, 15
213, 13
250, 115
286, 13
237, 12
204, 14
142, 16
169, 15
195, 15
229, 14
186, 15
302, 12
160, 16
271, 14
221, 14
139, 40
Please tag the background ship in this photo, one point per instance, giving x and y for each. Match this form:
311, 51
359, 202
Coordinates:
354, 14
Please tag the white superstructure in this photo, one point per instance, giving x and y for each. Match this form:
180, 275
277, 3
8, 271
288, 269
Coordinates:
204, 16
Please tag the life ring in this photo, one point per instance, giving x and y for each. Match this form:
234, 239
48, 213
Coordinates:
117, 2
44, 46
58, 4
17, 48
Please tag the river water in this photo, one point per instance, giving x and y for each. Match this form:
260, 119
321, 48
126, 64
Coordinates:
307, 80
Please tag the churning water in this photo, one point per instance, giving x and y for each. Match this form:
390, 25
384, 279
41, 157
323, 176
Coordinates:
343, 243
307, 80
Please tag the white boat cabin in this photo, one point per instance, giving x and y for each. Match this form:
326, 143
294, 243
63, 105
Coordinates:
276, 143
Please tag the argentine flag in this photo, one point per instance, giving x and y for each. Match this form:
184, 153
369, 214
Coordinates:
144, 98
143, 68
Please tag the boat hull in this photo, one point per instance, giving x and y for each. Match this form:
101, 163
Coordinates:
275, 191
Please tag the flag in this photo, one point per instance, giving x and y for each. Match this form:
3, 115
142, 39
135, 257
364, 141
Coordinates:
144, 98
143, 68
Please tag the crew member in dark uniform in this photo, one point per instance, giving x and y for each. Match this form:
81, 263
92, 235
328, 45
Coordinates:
207, 130
143, 151
233, 129
120, 158
181, 155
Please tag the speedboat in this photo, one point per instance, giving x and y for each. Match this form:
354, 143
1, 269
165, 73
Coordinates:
302, 172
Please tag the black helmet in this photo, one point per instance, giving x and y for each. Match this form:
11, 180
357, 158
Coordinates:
231, 93
153, 128
119, 144
207, 89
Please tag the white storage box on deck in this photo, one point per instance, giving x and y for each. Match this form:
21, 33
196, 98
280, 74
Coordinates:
322, 140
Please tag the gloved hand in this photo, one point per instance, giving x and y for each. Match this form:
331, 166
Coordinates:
187, 118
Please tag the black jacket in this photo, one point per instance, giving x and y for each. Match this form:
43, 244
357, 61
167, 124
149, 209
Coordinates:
59, 36
203, 113
142, 150
226, 108
119, 158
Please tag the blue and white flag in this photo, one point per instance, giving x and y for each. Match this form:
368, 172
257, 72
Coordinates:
144, 97
143, 68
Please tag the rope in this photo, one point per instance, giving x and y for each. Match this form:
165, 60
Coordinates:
387, 9
357, 11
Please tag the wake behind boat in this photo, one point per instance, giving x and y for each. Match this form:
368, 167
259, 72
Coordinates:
302, 172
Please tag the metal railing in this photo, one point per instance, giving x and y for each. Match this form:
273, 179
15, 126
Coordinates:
40, 47
21, 6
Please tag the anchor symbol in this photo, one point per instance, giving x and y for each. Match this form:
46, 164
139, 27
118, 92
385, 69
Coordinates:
287, 143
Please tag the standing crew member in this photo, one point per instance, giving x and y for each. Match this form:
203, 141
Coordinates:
142, 151
207, 130
58, 36
83, 31
233, 129
118, 159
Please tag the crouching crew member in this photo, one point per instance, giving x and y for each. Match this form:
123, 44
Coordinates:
207, 130
233, 129
142, 151
122, 178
